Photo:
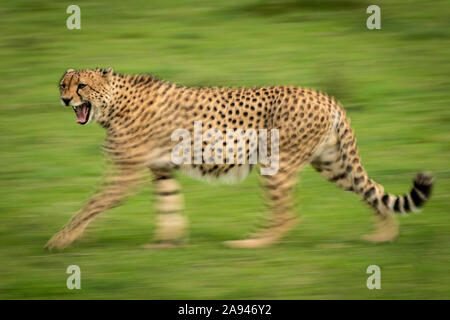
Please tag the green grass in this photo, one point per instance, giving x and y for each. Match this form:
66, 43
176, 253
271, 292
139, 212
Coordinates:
394, 83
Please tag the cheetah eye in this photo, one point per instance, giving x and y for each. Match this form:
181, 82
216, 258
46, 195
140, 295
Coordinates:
62, 85
81, 85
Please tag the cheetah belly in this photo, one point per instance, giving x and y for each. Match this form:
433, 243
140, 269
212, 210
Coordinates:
221, 174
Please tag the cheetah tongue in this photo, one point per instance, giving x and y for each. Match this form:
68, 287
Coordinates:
82, 112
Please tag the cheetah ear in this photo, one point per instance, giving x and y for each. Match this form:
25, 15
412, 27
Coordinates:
107, 72
70, 70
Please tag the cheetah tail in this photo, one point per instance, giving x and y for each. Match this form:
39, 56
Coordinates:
420, 193
372, 192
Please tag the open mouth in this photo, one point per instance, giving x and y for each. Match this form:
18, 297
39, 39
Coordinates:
82, 111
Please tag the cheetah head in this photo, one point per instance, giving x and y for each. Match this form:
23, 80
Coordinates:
88, 92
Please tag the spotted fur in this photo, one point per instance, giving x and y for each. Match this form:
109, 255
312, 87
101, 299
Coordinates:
140, 112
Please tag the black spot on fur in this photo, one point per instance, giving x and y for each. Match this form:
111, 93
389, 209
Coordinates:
406, 203
397, 205
416, 198
369, 193
385, 200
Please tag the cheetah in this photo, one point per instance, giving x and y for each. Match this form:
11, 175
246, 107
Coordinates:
141, 112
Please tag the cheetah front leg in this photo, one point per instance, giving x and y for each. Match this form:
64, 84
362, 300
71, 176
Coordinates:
171, 223
116, 188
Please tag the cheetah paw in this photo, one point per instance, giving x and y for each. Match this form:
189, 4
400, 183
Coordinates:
250, 243
60, 241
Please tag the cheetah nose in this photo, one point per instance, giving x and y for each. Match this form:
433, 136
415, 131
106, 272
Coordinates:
66, 100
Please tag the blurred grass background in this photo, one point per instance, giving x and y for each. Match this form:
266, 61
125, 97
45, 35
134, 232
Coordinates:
393, 82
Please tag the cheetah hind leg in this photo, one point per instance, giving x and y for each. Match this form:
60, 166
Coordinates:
386, 229
279, 192
343, 167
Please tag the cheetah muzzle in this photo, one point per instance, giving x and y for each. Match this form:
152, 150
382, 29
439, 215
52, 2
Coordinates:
83, 112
